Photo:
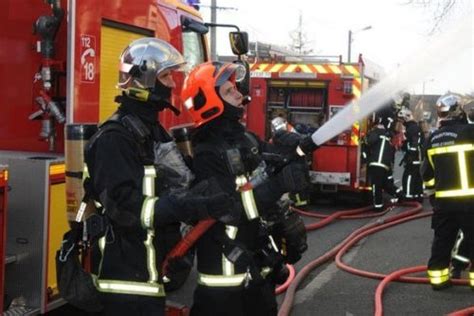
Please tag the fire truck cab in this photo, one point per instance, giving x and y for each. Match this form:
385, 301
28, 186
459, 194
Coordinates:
308, 91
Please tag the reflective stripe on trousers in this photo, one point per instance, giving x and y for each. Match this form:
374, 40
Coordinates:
438, 276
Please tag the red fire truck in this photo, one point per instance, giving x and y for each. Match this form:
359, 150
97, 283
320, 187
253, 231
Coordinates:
56, 80
308, 91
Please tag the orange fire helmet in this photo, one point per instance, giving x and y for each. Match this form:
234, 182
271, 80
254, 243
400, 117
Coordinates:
199, 91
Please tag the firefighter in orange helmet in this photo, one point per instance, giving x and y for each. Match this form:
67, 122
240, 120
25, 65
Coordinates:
238, 265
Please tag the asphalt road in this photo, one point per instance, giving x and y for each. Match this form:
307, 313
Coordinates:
331, 291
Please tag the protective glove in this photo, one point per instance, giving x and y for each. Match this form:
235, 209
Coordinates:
290, 232
207, 199
294, 177
307, 145
286, 142
294, 235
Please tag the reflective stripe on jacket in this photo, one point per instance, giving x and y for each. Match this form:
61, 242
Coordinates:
449, 166
152, 287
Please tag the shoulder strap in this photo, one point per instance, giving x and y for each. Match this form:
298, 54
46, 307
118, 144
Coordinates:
129, 126
218, 147
255, 145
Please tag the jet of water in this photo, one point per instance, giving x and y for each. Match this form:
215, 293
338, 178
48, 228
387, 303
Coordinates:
418, 66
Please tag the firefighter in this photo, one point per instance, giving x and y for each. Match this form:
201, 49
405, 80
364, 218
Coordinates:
237, 264
447, 171
280, 125
459, 260
380, 155
414, 138
120, 162
388, 114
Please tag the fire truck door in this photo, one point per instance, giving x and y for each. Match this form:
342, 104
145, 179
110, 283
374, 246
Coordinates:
114, 38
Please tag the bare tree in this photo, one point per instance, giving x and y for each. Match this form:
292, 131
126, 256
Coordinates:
441, 9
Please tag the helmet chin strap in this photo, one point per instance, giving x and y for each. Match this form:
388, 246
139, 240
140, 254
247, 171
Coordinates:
232, 112
161, 95
158, 98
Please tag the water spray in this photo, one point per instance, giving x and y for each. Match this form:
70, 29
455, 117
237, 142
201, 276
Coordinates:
420, 65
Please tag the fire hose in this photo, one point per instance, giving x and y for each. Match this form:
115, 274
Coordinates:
286, 305
353, 238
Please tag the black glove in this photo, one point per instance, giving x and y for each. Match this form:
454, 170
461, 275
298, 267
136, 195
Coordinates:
294, 177
307, 145
207, 199
286, 142
293, 237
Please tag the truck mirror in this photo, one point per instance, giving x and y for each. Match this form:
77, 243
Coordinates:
244, 85
193, 25
239, 42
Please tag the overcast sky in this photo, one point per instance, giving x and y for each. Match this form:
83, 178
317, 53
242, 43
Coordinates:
397, 31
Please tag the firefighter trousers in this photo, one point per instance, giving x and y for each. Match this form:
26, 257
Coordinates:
381, 180
136, 305
255, 300
446, 225
412, 182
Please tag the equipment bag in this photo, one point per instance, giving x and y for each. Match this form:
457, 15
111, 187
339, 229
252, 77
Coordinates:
75, 285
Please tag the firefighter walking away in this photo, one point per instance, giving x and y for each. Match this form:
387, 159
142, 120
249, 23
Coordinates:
412, 147
380, 156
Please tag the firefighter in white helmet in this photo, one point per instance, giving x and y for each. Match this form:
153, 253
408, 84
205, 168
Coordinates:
448, 171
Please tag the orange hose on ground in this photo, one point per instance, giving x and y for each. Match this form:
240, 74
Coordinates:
333, 217
393, 276
463, 312
286, 305
282, 288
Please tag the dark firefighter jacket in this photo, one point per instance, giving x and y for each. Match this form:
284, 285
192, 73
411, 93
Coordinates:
213, 266
119, 158
449, 166
414, 140
387, 116
379, 148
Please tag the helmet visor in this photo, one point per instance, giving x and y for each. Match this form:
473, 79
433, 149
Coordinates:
229, 70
